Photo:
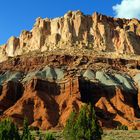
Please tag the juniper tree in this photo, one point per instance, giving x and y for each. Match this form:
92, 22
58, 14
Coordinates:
26, 131
83, 125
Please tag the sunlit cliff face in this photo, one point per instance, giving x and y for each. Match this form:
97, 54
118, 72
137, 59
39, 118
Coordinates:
97, 32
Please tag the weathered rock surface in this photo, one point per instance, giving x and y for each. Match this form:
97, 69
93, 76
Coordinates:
46, 88
10, 92
46, 104
64, 62
96, 32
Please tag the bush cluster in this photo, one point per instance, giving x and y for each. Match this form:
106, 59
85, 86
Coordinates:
122, 127
49, 136
9, 131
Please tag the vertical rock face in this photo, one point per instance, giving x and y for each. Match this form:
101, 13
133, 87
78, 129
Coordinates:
97, 32
12, 46
46, 104
10, 92
3, 55
113, 105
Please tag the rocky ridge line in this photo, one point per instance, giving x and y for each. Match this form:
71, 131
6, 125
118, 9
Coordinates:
76, 30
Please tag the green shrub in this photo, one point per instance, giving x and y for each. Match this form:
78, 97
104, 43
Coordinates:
83, 126
8, 130
39, 135
49, 136
33, 128
122, 127
26, 131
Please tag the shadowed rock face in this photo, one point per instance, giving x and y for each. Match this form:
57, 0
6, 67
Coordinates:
10, 92
112, 103
96, 32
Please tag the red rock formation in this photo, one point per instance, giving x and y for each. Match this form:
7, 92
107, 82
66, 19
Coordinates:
118, 108
46, 104
73, 43
113, 105
9, 94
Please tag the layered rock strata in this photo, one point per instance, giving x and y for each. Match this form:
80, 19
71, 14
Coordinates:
47, 89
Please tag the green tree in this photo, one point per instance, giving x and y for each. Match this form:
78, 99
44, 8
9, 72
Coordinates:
8, 130
39, 134
26, 131
83, 126
49, 136
69, 130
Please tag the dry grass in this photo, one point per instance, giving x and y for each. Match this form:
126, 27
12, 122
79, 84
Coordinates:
121, 135
108, 135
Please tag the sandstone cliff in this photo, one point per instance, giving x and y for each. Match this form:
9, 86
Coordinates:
96, 32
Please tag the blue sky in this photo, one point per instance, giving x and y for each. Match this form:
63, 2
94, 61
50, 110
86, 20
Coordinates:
17, 15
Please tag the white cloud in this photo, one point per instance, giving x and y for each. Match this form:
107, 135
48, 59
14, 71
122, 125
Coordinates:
127, 9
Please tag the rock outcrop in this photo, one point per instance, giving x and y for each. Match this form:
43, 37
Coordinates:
10, 92
46, 88
65, 62
96, 32
46, 104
